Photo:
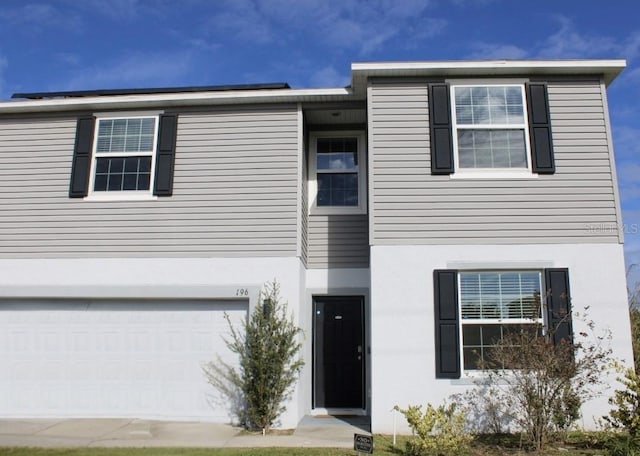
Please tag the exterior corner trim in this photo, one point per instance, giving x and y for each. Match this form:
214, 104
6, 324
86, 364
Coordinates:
612, 161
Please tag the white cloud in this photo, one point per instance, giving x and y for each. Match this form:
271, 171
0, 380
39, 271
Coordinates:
626, 141
115, 9
465, 3
497, 51
631, 46
67, 58
241, 20
329, 77
566, 42
39, 16
627, 150
358, 25
203, 45
632, 74
429, 27
135, 70
365, 26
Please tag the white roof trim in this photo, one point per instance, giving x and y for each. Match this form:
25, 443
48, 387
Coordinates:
174, 99
478, 64
610, 68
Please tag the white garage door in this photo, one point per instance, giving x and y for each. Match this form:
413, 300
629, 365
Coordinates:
105, 358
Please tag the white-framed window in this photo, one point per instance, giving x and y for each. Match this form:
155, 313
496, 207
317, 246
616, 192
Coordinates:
490, 129
337, 173
123, 158
494, 304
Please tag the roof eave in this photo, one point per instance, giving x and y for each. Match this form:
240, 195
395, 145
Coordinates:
172, 100
608, 69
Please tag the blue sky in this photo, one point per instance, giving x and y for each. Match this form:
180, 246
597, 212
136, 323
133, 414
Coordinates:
53, 45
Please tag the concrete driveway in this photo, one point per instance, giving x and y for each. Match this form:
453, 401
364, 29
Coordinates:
311, 432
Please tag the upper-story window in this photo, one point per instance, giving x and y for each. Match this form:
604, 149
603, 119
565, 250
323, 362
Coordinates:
490, 126
124, 154
337, 173
497, 128
130, 156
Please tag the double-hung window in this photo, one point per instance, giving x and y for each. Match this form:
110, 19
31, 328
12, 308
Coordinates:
128, 156
487, 129
490, 127
124, 154
475, 309
494, 304
337, 173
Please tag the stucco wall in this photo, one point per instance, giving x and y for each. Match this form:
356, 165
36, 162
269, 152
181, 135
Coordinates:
402, 326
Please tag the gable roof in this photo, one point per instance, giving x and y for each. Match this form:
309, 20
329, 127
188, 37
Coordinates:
165, 98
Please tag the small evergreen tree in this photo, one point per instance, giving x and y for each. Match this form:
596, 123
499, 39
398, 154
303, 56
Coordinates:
634, 315
268, 350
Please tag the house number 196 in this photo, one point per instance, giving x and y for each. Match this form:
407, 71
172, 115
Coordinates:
242, 292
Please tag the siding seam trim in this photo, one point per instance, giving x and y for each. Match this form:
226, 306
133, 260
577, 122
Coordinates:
370, 170
299, 153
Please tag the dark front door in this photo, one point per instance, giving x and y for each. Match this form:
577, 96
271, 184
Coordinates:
339, 352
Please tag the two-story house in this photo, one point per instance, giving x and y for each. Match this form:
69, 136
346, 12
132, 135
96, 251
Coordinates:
411, 219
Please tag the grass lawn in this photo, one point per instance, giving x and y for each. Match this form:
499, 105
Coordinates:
582, 445
176, 451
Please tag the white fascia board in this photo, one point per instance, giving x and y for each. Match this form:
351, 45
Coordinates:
610, 68
175, 99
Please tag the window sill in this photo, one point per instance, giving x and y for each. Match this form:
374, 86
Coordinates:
492, 174
473, 378
338, 210
121, 196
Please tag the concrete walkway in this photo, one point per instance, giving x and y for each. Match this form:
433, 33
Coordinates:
311, 432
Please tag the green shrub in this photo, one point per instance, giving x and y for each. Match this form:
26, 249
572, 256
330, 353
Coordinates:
438, 431
634, 314
547, 382
626, 414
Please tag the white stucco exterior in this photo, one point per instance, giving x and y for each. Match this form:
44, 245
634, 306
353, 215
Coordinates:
398, 293
402, 325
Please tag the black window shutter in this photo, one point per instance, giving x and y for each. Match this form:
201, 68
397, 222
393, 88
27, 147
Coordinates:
81, 164
165, 157
558, 304
440, 129
540, 129
447, 323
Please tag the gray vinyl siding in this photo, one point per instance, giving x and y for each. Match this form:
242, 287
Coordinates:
335, 241
338, 241
235, 192
410, 206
